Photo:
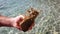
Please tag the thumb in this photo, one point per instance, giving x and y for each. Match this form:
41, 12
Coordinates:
19, 18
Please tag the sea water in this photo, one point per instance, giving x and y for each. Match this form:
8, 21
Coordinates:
48, 21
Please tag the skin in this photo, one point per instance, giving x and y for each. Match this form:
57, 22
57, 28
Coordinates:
21, 22
13, 22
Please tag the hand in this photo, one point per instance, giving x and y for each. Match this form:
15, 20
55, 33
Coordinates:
19, 20
26, 22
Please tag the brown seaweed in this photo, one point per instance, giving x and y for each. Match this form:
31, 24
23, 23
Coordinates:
31, 18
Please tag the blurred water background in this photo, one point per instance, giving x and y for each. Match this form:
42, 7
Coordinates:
48, 21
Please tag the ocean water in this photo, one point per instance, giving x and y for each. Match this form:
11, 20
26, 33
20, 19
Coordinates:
48, 21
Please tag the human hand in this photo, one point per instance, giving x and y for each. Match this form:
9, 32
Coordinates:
19, 20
